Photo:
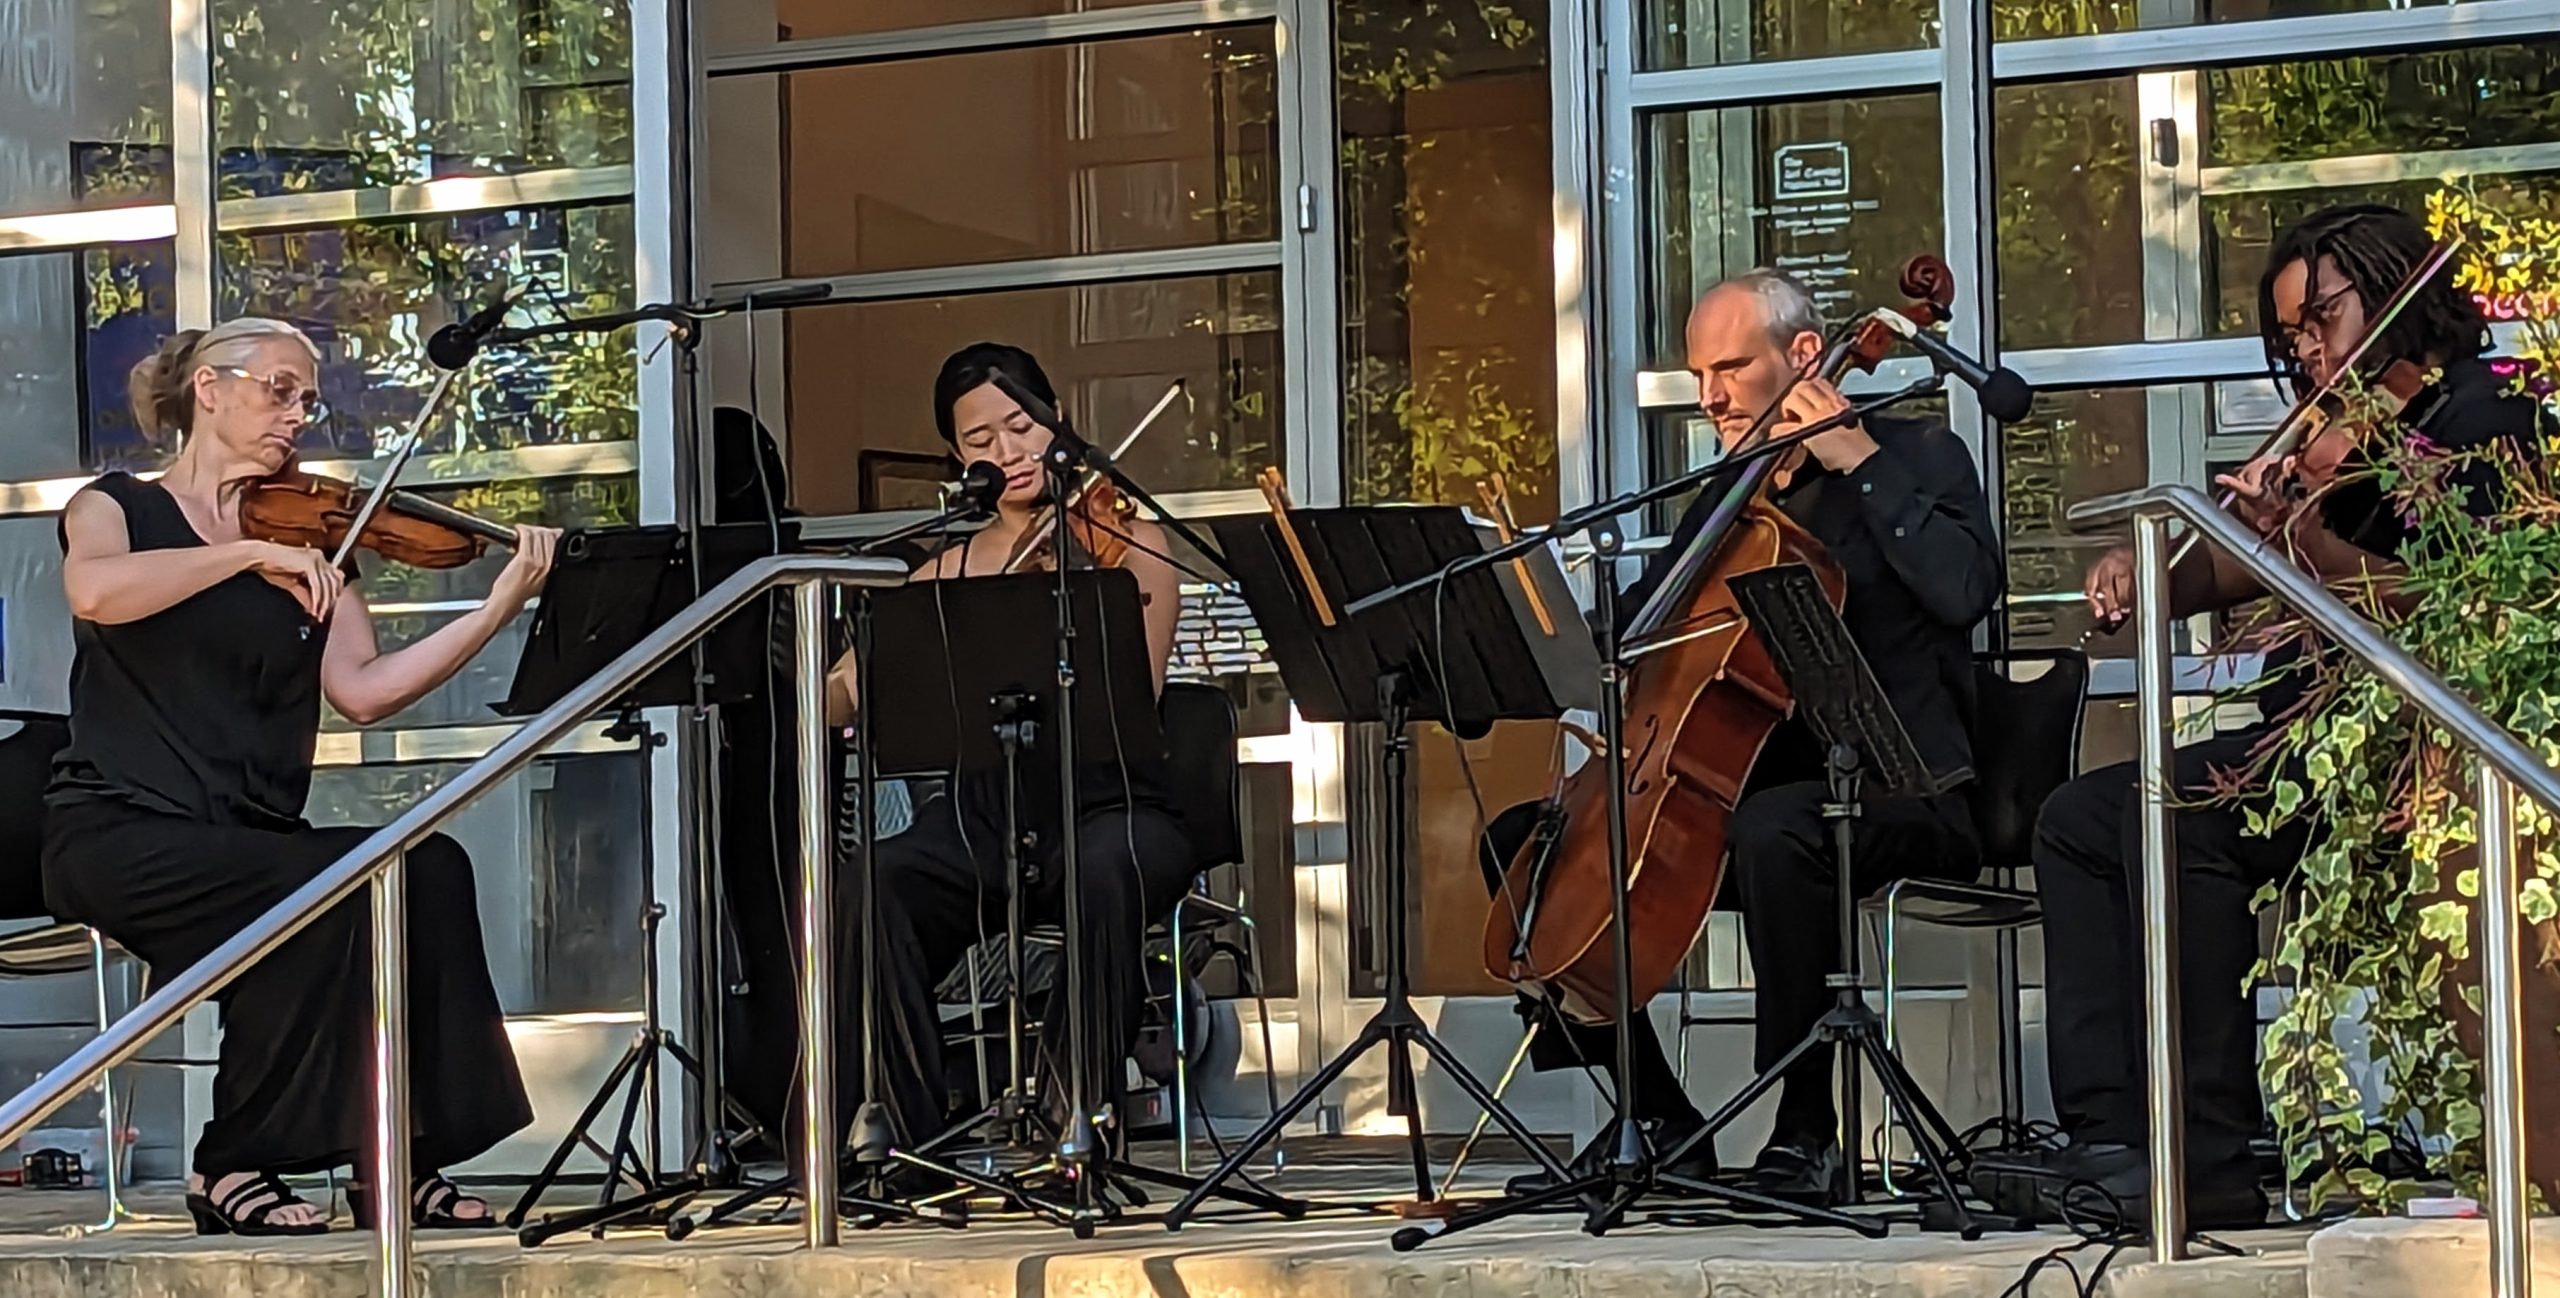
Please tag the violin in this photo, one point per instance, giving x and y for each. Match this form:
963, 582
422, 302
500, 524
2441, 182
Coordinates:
1098, 518
1700, 700
294, 506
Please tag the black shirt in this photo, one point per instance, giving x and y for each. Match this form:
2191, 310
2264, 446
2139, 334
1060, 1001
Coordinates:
208, 709
2468, 409
1912, 533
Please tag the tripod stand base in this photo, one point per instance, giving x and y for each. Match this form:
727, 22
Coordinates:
635, 1075
1398, 1028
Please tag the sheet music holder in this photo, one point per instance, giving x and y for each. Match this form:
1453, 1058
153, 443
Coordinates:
1480, 631
953, 646
1469, 654
611, 586
1835, 692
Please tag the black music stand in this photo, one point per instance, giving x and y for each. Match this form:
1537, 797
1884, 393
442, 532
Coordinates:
608, 589
1466, 658
1868, 752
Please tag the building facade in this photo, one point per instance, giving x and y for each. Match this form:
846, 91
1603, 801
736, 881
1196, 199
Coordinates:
1392, 249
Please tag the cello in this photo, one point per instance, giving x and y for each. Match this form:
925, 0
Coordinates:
1701, 698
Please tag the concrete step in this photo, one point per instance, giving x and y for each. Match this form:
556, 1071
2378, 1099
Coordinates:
2402, 1258
1325, 1258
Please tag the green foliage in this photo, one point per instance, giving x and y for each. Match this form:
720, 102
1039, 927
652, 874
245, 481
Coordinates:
2376, 918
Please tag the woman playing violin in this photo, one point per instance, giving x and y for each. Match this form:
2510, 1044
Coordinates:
942, 885
2327, 283
176, 815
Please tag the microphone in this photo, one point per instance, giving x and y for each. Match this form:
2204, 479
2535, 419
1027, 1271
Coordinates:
2005, 397
453, 346
981, 486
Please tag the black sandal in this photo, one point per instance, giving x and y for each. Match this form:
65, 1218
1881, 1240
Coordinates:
250, 1208
432, 1200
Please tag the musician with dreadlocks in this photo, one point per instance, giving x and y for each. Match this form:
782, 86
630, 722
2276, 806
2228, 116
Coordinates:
2326, 277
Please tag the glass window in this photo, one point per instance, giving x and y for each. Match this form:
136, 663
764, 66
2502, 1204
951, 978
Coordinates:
1703, 33
556, 855
1446, 244
2072, 446
2070, 211
736, 23
2082, 230
860, 381
84, 105
72, 324
348, 94
2013, 20
370, 294
1839, 193
1115, 146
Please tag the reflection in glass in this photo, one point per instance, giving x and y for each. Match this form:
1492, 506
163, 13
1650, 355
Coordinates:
71, 326
1703, 33
2070, 211
84, 105
2074, 209
861, 429
557, 854
1446, 244
371, 293
348, 94
808, 20
1838, 193
1116, 146
2072, 446
2018, 20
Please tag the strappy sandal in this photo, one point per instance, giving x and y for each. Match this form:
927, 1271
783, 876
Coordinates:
432, 1199
249, 1208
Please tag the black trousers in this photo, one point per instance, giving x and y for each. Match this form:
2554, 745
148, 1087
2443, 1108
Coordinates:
942, 888
2088, 853
292, 1089
1784, 880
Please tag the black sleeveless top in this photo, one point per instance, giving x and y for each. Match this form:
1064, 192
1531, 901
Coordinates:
208, 709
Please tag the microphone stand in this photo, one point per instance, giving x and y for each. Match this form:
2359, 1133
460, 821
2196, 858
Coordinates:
1631, 1171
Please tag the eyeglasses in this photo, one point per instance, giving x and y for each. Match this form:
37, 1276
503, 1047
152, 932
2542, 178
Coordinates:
2316, 318
286, 388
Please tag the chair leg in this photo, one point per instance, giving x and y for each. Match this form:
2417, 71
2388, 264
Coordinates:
1892, 1008
1181, 1045
110, 1174
1270, 1059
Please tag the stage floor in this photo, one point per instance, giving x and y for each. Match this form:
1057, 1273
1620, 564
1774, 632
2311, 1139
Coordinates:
1337, 1254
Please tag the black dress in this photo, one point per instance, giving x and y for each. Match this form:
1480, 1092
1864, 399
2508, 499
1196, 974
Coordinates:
175, 819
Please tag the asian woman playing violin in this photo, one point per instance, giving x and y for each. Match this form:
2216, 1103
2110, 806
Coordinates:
2327, 280
942, 886
175, 817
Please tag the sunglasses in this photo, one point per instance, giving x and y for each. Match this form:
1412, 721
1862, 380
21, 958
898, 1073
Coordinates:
286, 389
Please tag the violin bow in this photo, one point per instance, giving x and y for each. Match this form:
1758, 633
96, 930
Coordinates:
1022, 552
399, 460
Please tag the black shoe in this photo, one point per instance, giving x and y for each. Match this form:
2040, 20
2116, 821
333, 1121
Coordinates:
1663, 1135
1799, 1169
2107, 1187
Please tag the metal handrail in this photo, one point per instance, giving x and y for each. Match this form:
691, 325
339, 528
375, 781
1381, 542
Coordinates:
379, 858
2504, 765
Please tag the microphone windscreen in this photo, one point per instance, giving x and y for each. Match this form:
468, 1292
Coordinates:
2006, 397
982, 485
452, 347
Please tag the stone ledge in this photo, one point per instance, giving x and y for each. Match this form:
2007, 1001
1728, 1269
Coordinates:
2399, 1257
1318, 1259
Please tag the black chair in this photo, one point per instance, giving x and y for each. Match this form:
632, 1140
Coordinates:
1200, 738
28, 743
2026, 744
1200, 729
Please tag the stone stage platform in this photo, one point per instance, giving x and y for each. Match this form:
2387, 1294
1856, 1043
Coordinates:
1340, 1252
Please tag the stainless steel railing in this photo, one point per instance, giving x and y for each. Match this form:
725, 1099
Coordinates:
379, 861
2502, 765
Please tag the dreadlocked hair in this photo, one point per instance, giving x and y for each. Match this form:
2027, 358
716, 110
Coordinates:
2376, 247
